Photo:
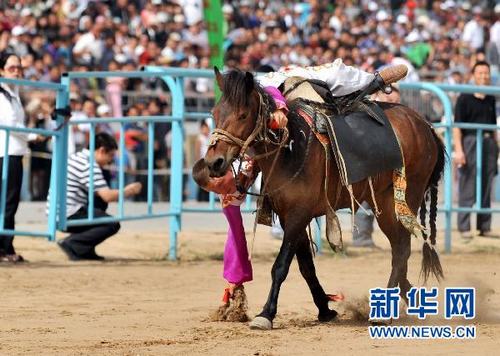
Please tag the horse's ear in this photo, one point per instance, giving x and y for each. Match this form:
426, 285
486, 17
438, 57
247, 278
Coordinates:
218, 77
249, 82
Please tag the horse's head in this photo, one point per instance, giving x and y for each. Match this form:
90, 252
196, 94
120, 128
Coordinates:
239, 116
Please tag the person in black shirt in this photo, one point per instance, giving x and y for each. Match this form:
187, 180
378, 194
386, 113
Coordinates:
477, 109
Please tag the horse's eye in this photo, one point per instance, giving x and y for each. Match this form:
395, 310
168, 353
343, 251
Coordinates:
242, 116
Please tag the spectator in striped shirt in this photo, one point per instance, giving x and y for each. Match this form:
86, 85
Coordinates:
80, 245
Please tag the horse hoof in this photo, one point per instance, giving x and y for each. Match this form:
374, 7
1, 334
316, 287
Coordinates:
261, 323
329, 316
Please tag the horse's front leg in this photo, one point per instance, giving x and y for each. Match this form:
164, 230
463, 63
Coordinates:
308, 271
264, 321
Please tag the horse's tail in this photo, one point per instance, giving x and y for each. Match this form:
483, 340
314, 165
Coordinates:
430, 258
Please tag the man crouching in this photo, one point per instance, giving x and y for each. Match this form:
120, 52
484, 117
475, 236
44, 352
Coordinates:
80, 245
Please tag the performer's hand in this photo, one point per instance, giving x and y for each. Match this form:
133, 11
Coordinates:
459, 159
279, 120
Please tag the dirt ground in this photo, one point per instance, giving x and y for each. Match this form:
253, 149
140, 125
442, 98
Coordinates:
136, 303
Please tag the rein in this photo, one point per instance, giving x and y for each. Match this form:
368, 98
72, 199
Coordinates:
295, 175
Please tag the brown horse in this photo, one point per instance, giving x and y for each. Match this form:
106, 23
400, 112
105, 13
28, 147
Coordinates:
240, 118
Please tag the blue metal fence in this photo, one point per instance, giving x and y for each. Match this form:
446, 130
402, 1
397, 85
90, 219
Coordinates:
54, 179
440, 90
176, 87
174, 79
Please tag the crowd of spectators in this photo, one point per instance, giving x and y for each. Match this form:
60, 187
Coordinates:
439, 40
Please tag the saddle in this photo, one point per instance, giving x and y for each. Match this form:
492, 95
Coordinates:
361, 139
357, 131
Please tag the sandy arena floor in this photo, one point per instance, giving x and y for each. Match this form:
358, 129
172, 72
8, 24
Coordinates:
136, 303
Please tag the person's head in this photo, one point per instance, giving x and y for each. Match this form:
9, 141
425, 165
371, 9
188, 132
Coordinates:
89, 108
457, 77
10, 65
265, 68
105, 148
133, 111
113, 66
481, 73
201, 173
204, 128
55, 74
154, 107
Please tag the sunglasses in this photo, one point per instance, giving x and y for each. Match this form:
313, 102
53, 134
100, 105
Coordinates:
12, 69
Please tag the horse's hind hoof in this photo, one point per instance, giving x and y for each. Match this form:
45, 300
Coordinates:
261, 323
329, 316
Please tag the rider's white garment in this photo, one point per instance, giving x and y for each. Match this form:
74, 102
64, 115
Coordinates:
341, 79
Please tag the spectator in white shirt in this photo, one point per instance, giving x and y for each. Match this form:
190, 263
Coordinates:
88, 49
473, 34
495, 30
12, 115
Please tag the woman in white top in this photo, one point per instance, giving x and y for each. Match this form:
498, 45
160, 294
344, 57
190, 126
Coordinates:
12, 114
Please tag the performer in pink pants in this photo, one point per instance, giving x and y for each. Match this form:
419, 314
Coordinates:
237, 266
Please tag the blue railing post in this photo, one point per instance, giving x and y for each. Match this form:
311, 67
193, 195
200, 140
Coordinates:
121, 172
62, 155
5, 179
317, 234
176, 87
151, 153
176, 165
448, 181
56, 177
54, 181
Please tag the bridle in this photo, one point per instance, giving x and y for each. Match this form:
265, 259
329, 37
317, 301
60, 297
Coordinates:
259, 134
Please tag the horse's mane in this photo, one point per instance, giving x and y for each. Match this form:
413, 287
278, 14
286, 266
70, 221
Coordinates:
235, 89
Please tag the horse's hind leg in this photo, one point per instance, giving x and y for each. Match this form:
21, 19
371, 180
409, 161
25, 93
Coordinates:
401, 251
308, 271
400, 241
